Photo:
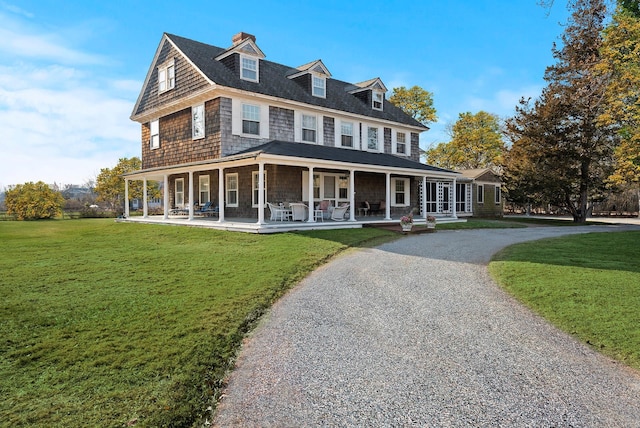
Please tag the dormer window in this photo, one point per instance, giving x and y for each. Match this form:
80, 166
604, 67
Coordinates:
249, 68
166, 77
377, 100
319, 87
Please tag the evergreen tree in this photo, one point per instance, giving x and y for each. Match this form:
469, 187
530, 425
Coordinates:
567, 151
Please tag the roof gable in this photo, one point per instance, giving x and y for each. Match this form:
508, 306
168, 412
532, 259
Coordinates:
274, 81
247, 46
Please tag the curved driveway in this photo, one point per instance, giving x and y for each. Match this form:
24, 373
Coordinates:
415, 333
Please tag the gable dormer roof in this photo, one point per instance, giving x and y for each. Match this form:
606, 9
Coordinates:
374, 84
243, 43
274, 82
316, 67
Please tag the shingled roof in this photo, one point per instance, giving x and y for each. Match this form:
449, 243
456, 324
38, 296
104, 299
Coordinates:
274, 82
336, 154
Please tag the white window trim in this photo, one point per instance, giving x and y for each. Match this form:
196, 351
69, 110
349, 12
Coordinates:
336, 199
204, 179
236, 118
480, 195
297, 119
338, 133
313, 86
407, 192
168, 81
228, 190
373, 100
254, 188
365, 143
176, 193
252, 58
407, 142
302, 128
193, 122
154, 124
498, 195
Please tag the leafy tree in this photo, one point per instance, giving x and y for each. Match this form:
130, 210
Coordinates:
110, 184
476, 142
416, 102
620, 53
32, 201
567, 151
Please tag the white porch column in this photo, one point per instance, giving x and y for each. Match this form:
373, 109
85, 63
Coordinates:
220, 195
190, 195
145, 201
165, 199
387, 205
126, 198
352, 197
261, 193
424, 197
311, 218
453, 196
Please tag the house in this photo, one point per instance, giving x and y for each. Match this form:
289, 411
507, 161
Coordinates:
485, 187
227, 127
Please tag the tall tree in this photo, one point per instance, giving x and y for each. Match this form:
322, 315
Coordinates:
32, 201
476, 142
621, 63
559, 135
416, 102
110, 184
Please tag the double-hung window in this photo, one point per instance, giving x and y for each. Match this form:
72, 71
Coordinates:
232, 189
372, 138
309, 128
179, 192
401, 143
498, 195
377, 100
154, 127
204, 189
480, 193
249, 68
346, 130
255, 175
319, 86
197, 125
166, 77
250, 119
400, 192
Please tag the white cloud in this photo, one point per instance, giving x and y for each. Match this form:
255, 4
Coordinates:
61, 120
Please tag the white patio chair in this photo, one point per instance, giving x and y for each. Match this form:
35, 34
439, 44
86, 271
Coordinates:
277, 213
339, 212
298, 211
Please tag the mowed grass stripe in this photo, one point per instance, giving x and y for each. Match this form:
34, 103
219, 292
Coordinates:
587, 285
105, 323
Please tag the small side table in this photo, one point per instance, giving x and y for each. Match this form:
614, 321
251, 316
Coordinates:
317, 215
363, 211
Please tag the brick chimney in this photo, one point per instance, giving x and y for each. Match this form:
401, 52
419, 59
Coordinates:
241, 37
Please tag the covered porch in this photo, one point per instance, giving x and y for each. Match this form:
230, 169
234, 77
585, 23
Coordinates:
241, 191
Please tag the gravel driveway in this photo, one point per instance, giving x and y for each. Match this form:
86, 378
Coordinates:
415, 333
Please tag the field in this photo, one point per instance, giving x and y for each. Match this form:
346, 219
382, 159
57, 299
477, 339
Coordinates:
105, 324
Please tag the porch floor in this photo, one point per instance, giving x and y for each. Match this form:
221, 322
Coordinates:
270, 226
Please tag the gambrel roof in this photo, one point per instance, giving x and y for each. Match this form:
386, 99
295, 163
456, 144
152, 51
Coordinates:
275, 81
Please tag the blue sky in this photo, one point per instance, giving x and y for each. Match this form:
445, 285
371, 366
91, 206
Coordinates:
70, 71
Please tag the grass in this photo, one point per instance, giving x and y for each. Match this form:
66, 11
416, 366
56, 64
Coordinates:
477, 223
104, 324
587, 285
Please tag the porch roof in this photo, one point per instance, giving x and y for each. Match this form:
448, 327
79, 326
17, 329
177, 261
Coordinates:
336, 154
297, 154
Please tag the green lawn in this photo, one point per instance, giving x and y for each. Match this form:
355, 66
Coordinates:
587, 285
106, 323
479, 223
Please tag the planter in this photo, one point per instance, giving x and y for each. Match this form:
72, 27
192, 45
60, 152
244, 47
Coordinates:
406, 227
431, 224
